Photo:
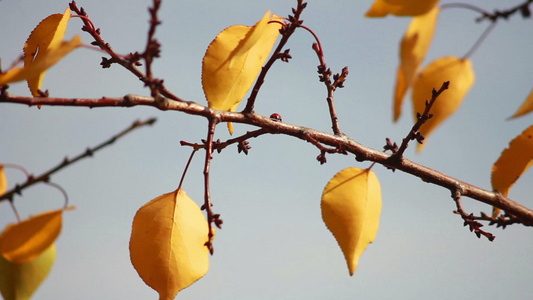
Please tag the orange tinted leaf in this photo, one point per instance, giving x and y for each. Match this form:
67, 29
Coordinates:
382, 8
46, 36
413, 49
20, 281
513, 162
526, 107
351, 207
3, 180
461, 76
234, 59
22, 242
167, 245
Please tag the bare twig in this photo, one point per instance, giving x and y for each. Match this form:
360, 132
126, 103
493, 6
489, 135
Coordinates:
415, 134
45, 177
211, 217
286, 31
469, 219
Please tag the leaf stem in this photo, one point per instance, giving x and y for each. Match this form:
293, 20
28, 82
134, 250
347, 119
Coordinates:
187, 167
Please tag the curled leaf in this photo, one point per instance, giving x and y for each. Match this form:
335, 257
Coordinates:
526, 107
351, 207
167, 244
512, 163
18, 281
234, 59
461, 76
43, 48
22, 242
413, 49
382, 8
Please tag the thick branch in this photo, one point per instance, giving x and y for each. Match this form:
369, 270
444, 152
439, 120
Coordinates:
361, 152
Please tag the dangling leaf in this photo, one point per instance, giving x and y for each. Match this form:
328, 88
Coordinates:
513, 162
41, 64
234, 59
351, 206
382, 8
413, 49
20, 281
22, 242
526, 107
42, 50
167, 245
459, 73
3, 180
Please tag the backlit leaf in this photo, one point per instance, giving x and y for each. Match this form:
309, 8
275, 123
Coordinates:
167, 245
513, 162
351, 207
382, 8
22, 242
234, 59
461, 76
3, 180
20, 281
526, 107
41, 64
413, 49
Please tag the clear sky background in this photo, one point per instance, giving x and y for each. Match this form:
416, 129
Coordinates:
273, 244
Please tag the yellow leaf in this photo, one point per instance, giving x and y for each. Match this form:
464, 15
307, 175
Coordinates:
513, 162
22, 242
413, 49
3, 180
46, 36
41, 64
167, 245
461, 76
20, 281
382, 8
526, 107
351, 206
234, 59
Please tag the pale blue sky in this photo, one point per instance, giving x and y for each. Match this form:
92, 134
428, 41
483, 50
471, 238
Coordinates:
274, 244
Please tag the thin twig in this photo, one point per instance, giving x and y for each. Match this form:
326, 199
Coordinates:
414, 134
286, 31
187, 167
469, 219
207, 199
44, 177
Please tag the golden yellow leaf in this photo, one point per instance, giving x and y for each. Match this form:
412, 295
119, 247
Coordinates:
382, 8
3, 180
413, 49
459, 73
526, 107
41, 64
20, 281
234, 59
513, 162
167, 245
22, 242
351, 207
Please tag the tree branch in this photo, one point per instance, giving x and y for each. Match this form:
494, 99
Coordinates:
45, 177
361, 152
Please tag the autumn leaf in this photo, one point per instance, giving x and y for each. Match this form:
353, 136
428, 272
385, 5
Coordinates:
234, 59
513, 162
167, 245
3, 180
20, 281
22, 242
413, 49
42, 50
382, 8
461, 76
526, 107
351, 207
